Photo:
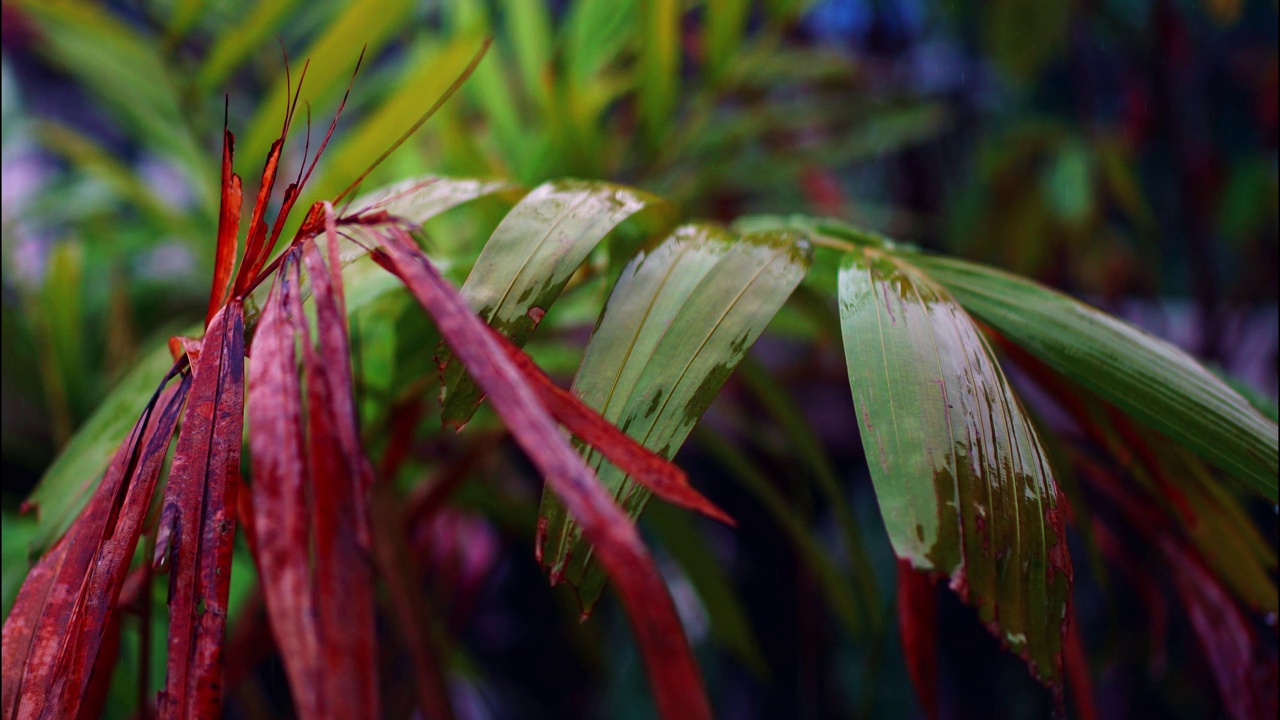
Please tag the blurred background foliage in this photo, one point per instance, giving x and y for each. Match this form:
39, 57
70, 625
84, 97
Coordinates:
1124, 150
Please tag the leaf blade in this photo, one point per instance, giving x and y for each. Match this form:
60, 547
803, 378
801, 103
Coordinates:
962, 482
1150, 379
529, 259
657, 357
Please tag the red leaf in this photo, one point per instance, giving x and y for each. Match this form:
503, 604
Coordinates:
198, 520
54, 634
228, 229
256, 250
1245, 671
342, 478
655, 472
402, 576
281, 507
918, 627
321, 605
675, 677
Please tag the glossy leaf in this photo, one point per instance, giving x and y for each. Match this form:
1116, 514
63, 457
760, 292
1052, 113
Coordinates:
658, 475
676, 680
529, 259
963, 484
1148, 378
679, 320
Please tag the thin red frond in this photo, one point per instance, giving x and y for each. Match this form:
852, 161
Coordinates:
341, 478
673, 673
228, 228
281, 505
311, 495
199, 519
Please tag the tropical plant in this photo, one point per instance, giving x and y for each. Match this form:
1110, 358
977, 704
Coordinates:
320, 361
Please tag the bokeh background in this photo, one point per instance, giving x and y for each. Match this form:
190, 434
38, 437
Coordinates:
1122, 150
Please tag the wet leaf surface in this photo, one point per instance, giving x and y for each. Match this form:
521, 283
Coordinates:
1152, 380
679, 320
963, 484
528, 260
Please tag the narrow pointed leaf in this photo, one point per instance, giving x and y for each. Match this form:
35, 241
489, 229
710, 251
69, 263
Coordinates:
197, 523
679, 320
280, 476
673, 673
1150, 379
228, 229
342, 478
963, 484
527, 261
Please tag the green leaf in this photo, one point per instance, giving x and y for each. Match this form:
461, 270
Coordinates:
659, 66
529, 27
124, 70
963, 484
725, 28
74, 475
235, 45
529, 259
1148, 378
594, 34
60, 333
421, 82
679, 320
